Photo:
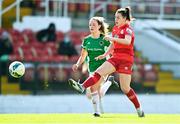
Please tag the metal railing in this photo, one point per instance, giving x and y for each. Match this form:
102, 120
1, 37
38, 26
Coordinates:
156, 10
163, 32
2, 11
140, 9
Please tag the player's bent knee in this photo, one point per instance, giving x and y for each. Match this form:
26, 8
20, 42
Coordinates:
125, 89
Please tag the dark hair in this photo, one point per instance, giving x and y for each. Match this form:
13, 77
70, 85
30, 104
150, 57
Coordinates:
52, 27
104, 26
125, 12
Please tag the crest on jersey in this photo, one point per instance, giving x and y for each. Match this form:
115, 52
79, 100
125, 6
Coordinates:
129, 31
101, 43
116, 36
126, 68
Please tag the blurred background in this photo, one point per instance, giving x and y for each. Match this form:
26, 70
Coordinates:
46, 35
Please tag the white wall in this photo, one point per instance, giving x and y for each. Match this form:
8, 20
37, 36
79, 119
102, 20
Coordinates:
37, 23
157, 47
159, 24
112, 103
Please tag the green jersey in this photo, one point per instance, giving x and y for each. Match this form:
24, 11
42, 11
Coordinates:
95, 47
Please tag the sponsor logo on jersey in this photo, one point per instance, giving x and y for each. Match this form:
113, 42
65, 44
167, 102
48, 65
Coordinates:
95, 49
116, 36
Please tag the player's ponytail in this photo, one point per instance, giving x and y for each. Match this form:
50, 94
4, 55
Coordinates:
126, 13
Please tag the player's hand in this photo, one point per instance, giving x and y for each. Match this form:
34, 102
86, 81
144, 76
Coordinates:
108, 38
75, 67
100, 57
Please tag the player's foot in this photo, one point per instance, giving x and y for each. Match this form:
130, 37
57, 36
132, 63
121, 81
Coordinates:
76, 85
96, 115
140, 113
111, 78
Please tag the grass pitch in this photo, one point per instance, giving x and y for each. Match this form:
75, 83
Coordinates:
89, 119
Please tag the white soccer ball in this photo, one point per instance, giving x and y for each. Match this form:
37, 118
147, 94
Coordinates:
16, 69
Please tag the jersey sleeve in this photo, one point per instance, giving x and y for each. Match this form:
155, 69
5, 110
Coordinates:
128, 31
84, 44
106, 43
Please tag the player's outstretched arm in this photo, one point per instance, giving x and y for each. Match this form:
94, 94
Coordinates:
125, 41
108, 52
80, 60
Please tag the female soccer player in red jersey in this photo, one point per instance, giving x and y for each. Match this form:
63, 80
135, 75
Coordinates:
94, 45
121, 60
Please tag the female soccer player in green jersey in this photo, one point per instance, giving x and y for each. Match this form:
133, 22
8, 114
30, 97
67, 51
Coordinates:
94, 45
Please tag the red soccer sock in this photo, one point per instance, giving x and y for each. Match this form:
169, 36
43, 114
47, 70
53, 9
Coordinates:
132, 96
91, 80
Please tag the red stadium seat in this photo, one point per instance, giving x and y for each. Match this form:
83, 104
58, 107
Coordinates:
73, 58
1, 30
29, 34
112, 8
51, 45
45, 73
72, 7
37, 45
84, 34
60, 74
58, 58
29, 75
14, 32
84, 7
169, 10
60, 36
150, 73
15, 57
137, 76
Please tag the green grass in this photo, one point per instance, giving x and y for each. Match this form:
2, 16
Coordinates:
88, 118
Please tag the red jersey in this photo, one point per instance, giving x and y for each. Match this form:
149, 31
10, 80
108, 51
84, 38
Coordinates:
121, 51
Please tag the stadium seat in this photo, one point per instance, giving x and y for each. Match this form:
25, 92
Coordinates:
29, 75
137, 77
112, 8
72, 7
169, 10
1, 30
84, 7
15, 57
29, 34
76, 76
58, 58
41, 73
51, 45
73, 58
60, 74
60, 36
84, 34
37, 45
150, 73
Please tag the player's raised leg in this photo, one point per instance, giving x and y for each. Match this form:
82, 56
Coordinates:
105, 69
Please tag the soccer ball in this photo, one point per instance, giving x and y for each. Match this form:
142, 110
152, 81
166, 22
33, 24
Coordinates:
16, 69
